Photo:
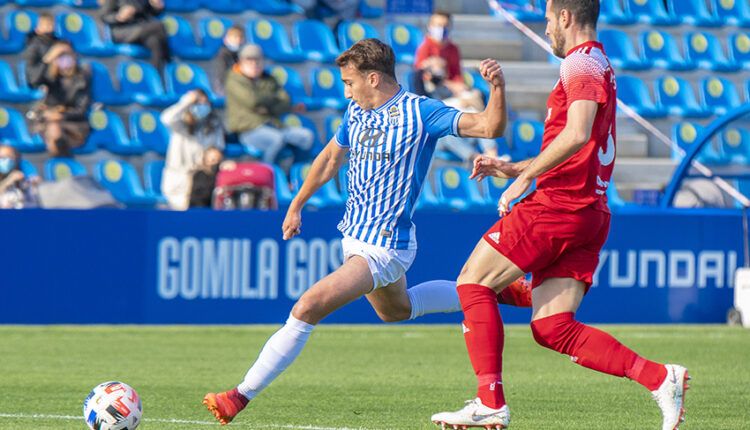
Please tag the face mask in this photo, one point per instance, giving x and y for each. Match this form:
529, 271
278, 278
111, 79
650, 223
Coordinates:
200, 111
438, 33
65, 61
6, 165
232, 47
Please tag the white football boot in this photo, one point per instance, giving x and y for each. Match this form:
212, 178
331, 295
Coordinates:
474, 414
671, 396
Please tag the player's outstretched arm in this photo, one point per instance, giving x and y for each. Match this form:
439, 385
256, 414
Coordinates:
491, 122
325, 166
485, 166
576, 133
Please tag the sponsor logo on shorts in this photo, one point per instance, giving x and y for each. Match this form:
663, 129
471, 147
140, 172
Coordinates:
495, 236
464, 328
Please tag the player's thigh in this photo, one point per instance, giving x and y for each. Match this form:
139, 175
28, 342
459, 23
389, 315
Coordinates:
555, 296
346, 284
391, 302
487, 266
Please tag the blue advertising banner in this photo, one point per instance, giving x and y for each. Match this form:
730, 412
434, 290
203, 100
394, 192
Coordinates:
159, 267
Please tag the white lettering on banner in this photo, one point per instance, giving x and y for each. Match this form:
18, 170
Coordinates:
232, 268
673, 269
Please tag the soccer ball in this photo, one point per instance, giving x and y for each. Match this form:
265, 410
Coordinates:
112, 406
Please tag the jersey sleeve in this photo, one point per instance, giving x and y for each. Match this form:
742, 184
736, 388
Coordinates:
583, 78
342, 134
439, 120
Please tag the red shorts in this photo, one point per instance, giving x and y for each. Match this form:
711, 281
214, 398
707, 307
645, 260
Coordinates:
551, 244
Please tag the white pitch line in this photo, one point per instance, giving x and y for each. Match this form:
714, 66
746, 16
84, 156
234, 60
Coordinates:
176, 421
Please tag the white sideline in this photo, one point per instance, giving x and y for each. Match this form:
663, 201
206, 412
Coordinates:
176, 421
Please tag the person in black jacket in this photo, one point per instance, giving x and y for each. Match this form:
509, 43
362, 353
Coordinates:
204, 179
38, 43
227, 56
61, 118
134, 21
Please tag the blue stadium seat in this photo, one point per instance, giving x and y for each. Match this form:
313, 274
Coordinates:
651, 12
28, 169
613, 13
739, 49
183, 77
694, 12
23, 83
369, 9
56, 169
474, 80
9, 89
142, 83
121, 179
493, 188
152, 171
660, 49
315, 40
212, 30
685, 134
14, 132
181, 5
290, 79
272, 37
274, 7
17, 24
719, 94
181, 39
125, 49
527, 139
351, 32
523, 10
733, 12
82, 4
634, 92
332, 123
81, 30
103, 89
226, 6
147, 131
327, 87
327, 195
296, 120
283, 190
456, 190
621, 51
676, 95
735, 146
427, 199
108, 132
404, 39
37, 3
705, 51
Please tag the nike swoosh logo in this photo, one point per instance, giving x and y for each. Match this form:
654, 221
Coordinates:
478, 418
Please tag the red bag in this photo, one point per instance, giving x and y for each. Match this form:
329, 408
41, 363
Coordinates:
246, 185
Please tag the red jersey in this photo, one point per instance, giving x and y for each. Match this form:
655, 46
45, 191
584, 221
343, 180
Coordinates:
582, 179
447, 51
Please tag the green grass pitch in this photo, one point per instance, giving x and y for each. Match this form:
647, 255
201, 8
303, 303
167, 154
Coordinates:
359, 377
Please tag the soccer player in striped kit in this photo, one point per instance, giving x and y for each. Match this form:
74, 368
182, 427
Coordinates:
389, 136
556, 234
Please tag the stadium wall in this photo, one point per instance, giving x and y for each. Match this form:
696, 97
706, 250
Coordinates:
158, 267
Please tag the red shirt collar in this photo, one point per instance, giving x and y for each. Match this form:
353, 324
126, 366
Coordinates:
591, 43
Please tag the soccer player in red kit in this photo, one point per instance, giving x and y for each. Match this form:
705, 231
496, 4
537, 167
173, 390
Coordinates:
556, 234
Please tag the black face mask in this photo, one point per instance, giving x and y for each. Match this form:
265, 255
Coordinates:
437, 80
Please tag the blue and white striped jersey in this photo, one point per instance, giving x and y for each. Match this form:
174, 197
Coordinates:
390, 150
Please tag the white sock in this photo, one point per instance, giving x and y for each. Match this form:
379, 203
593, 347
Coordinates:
277, 354
432, 297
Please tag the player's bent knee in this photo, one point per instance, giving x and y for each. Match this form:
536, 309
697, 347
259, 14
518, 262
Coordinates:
555, 331
307, 311
542, 334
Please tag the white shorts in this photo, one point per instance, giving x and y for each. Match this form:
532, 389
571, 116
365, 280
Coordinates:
386, 265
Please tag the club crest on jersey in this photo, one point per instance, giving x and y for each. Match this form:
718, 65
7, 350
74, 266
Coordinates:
371, 137
393, 115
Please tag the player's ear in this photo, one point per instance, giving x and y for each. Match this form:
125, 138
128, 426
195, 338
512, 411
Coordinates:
565, 19
373, 79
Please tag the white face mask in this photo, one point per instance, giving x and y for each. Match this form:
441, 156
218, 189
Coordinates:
438, 33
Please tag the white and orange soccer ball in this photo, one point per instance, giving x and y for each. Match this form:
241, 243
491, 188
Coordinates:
112, 406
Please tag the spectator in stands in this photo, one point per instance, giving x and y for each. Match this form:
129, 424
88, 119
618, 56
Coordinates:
62, 117
204, 179
135, 21
194, 126
16, 190
437, 43
255, 103
38, 43
227, 56
430, 81
319, 9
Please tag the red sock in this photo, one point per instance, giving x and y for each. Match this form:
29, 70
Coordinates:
483, 332
518, 293
237, 398
596, 350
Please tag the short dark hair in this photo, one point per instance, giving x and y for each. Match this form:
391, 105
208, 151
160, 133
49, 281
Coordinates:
370, 55
237, 28
586, 12
47, 16
444, 13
